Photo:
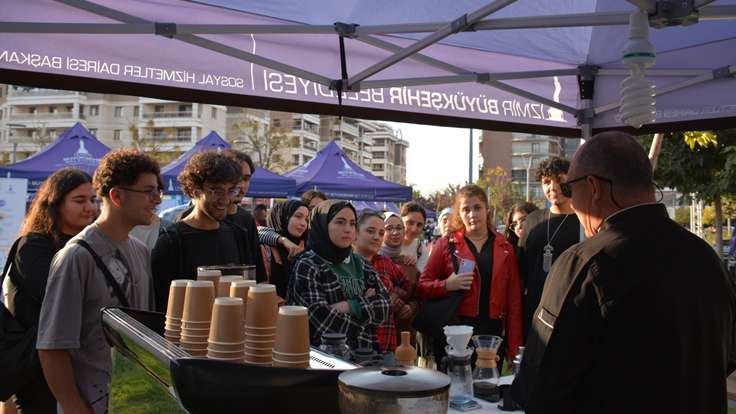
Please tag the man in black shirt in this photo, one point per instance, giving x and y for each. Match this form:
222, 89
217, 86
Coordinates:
204, 237
639, 285
545, 235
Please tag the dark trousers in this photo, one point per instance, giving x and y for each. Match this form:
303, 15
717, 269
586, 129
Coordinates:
36, 397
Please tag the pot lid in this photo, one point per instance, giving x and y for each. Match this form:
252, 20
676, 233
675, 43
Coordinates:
395, 379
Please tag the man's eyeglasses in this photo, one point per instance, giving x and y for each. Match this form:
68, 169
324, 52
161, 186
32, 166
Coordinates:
567, 190
218, 192
152, 194
371, 213
515, 224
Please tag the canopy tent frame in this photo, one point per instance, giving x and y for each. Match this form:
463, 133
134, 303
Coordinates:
474, 21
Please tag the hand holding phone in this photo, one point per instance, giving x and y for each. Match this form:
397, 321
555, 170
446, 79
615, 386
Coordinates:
466, 266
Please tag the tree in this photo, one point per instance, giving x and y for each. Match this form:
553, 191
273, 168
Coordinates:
699, 162
155, 145
502, 192
263, 142
682, 216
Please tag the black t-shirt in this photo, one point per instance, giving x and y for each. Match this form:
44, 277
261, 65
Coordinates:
484, 261
530, 256
244, 219
196, 248
28, 276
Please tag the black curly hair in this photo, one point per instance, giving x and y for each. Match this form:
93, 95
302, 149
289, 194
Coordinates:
209, 166
551, 167
123, 166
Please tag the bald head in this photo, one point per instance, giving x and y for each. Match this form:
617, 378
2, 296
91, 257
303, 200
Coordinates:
618, 157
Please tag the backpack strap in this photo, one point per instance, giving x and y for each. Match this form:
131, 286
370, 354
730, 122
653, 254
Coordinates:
9, 261
455, 266
105, 271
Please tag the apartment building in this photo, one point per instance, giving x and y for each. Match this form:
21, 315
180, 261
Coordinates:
30, 118
519, 155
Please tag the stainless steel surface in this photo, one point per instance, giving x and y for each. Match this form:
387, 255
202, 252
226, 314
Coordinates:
394, 390
141, 378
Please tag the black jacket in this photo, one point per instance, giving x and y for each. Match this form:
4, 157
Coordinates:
638, 318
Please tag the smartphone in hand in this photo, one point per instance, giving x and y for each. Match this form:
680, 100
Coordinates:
466, 266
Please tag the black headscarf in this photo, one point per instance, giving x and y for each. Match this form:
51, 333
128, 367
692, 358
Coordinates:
278, 219
319, 236
279, 216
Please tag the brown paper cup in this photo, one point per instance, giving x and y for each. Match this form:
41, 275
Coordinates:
227, 320
291, 364
292, 330
266, 330
238, 360
259, 351
198, 302
290, 357
197, 326
260, 359
177, 291
224, 285
262, 307
239, 289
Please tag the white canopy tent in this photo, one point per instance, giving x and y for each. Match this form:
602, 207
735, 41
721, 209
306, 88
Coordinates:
537, 66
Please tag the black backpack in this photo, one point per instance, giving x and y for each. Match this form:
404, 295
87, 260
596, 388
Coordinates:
19, 363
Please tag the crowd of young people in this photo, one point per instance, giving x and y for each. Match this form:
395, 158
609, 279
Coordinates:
365, 275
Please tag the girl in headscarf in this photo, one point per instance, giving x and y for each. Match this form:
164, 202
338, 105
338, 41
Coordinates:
288, 219
340, 289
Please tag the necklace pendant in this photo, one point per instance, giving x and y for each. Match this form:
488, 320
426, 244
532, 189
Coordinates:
547, 256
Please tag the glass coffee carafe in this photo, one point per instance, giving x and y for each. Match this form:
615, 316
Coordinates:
486, 373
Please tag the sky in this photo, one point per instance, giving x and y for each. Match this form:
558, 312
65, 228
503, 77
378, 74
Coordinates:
437, 156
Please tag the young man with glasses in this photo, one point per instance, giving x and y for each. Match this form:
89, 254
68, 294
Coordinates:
639, 285
545, 235
74, 354
204, 237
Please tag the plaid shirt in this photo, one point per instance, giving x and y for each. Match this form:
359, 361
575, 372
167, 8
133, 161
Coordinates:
393, 277
314, 286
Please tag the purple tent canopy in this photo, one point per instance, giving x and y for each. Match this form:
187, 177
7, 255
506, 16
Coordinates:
263, 183
382, 206
75, 147
548, 67
332, 172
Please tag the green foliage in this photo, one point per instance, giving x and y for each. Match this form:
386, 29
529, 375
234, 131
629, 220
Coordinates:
264, 143
502, 192
682, 216
709, 216
708, 169
154, 146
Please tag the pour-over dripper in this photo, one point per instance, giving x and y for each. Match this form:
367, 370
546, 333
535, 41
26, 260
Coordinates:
486, 371
458, 336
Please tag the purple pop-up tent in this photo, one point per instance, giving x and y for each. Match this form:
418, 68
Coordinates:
76, 148
263, 183
332, 172
538, 66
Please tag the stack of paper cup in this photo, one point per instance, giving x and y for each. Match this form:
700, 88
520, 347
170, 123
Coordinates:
227, 338
260, 324
291, 348
172, 329
214, 277
239, 289
223, 290
196, 317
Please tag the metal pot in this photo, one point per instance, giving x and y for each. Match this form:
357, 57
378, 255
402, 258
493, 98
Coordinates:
397, 389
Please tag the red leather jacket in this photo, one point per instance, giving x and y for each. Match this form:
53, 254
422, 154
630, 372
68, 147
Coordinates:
505, 290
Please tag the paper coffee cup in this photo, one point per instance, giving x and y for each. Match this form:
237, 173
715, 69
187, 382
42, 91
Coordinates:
227, 320
291, 364
225, 284
177, 291
198, 302
292, 330
262, 308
